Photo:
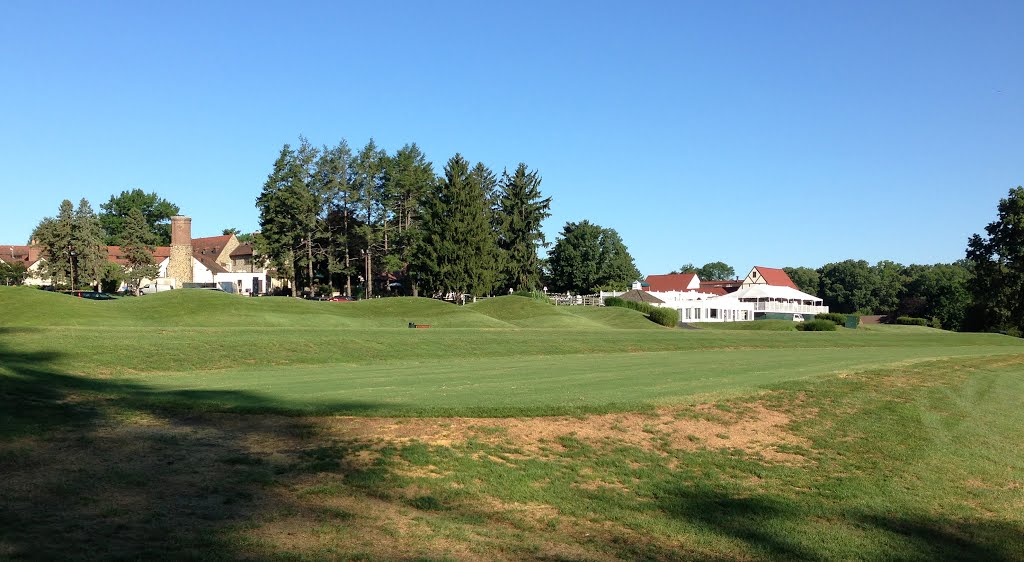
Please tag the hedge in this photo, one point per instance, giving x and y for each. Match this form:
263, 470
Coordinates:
839, 319
816, 325
908, 321
665, 316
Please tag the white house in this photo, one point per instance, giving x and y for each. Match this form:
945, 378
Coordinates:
764, 293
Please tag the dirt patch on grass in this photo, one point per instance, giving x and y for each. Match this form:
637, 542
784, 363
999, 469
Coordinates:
755, 429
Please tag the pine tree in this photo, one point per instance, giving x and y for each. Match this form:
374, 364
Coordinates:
138, 250
520, 212
409, 176
55, 237
89, 245
278, 236
369, 181
457, 247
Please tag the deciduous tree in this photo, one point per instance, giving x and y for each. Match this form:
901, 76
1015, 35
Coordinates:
998, 262
157, 211
587, 258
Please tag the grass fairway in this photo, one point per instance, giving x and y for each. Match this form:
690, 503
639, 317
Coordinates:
151, 428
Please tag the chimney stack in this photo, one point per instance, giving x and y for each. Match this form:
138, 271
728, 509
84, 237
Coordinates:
180, 265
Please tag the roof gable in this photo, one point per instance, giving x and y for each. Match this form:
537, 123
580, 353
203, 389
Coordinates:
775, 277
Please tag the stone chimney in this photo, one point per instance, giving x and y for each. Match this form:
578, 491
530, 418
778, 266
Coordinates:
180, 265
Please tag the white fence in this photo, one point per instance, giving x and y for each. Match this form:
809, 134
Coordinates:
789, 307
575, 300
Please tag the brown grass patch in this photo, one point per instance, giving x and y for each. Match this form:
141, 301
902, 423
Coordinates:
755, 429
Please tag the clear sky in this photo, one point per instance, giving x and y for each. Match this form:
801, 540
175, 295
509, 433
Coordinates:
756, 133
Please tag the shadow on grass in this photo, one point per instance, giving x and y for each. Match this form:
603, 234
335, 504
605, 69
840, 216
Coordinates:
100, 469
778, 528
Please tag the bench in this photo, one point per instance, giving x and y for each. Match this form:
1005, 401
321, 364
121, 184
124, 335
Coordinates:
415, 325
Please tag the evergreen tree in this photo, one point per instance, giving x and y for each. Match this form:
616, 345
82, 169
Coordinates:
157, 211
410, 176
335, 189
55, 238
370, 183
138, 250
89, 245
279, 237
520, 212
457, 247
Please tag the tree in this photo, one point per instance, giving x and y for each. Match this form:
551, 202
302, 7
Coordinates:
12, 273
520, 212
587, 258
55, 237
157, 211
687, 268
72, 245
892, 282
998, 262
618, 270
409, 177
939, 291
849, 286
805, 278
88, 241
369, 181
239, 235
138, 250
457, 247
279, 236
716, 271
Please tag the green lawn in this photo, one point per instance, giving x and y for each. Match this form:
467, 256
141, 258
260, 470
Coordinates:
147, 429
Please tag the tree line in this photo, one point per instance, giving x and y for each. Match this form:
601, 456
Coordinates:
374, 223
73, 244
982, 292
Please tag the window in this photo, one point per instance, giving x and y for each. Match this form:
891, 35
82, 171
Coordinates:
713, 313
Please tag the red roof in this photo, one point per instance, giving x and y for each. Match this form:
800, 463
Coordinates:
670, 282
242, 250
776, 277
712, 290
27, 255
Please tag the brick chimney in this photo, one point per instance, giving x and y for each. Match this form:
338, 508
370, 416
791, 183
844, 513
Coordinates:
180, 265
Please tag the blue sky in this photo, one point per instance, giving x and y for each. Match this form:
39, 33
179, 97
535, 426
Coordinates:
756, 133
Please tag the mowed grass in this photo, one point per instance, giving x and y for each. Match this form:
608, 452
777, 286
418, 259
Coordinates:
147, 429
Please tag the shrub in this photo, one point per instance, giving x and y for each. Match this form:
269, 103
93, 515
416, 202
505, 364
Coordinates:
535, 295
936, 323
908, 321
839, 319
664, 316
638, 306
817, 325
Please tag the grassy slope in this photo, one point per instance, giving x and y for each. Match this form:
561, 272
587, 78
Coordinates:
502, 356
904, 441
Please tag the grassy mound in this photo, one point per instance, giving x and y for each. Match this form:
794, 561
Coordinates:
199, 308
529, 313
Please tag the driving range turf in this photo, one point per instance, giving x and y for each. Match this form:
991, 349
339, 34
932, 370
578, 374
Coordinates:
192, 424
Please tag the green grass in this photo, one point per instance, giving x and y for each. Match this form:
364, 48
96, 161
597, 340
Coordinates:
142, 429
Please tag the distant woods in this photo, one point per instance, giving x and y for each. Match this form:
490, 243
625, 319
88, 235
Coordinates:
371, 223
